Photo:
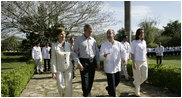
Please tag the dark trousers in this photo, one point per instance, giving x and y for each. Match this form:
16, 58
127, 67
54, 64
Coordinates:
87, 75
45, 67
159, 58
113, 80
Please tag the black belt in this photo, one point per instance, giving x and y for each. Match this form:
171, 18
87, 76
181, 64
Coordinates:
87, 59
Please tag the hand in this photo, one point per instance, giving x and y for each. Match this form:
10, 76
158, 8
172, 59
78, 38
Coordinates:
54, 76
134, 66
124, 62
76, 52
98, 66
80, 67
105, 55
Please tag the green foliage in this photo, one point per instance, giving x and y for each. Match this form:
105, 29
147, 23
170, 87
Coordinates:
150, 30
119, 35
13, 53
14, 81
173, 30
163, 76
152, 45
11, 43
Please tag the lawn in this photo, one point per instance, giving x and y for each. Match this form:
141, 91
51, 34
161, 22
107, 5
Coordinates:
11, 62
167, 60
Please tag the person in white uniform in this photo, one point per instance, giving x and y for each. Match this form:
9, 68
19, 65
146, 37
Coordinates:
159, 53
61, 64
112, 52
127, 48
37, 58
46, 56
139, 60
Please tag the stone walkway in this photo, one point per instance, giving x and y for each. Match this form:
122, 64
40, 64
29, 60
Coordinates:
44, 86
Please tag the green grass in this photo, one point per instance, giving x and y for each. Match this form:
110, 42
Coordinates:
11, 62
167, 60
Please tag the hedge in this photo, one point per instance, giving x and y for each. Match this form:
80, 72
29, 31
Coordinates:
13, 53
14, 81
163, 75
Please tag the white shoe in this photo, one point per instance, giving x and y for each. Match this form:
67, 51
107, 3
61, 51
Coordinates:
137, 91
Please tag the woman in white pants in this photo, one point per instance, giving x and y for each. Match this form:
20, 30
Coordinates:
61, 64
139, 60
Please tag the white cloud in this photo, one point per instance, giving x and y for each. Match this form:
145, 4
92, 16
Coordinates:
140, 12
117, 13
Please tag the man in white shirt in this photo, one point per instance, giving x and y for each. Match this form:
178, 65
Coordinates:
127, 49
37, 57
46, 56
112, 51
159, 53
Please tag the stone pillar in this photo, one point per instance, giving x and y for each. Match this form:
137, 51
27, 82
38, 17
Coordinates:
127, 19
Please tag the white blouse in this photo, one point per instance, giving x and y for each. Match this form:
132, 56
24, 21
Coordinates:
139, 50
112, 63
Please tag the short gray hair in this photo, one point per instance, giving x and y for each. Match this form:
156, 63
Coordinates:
111, 30
87, 26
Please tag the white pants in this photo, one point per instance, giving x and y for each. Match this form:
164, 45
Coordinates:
64, 83
124, 70
141, 73
38, 65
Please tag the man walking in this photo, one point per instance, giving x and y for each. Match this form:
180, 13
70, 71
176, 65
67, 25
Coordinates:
112, 51
87, 57
46, 55
37, 58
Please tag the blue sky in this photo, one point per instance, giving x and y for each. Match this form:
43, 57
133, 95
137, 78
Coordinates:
162, 11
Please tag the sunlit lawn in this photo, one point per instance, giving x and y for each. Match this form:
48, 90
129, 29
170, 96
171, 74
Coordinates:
167, 60
10, 62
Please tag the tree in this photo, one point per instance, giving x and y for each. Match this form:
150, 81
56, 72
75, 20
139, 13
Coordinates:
119, 35
11, 44
173, 30
39, 19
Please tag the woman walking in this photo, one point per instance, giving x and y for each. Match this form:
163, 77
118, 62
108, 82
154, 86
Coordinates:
139, 60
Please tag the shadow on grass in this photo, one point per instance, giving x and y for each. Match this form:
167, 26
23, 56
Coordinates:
10, 60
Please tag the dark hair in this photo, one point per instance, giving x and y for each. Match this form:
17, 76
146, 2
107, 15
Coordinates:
87, 26
71, 37
59, 30
124, 36
138, 32
37, 42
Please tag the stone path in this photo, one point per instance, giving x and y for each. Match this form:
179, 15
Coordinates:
44, 86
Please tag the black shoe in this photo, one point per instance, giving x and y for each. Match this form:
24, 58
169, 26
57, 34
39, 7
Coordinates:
107, 88
74, 77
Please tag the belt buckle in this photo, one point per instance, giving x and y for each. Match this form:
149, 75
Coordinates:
91, 59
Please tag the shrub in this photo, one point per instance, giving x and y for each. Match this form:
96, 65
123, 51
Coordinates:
13, 53
163, 76
14, 81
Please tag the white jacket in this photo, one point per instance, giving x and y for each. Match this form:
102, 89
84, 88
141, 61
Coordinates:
36, 53
60, 57
45, 52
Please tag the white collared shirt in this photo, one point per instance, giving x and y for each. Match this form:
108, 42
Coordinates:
127, 48
139, 50
36, 53
46, 52
159, 50
112, 63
